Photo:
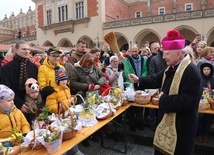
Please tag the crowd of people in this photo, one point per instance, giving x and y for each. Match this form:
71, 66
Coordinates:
30, 80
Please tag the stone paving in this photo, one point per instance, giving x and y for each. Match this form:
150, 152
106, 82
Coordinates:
134, 144
132, 149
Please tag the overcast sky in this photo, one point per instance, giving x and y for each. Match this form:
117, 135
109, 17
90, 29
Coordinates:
9, 6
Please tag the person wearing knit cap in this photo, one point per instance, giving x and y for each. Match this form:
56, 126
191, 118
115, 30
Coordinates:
33, 98
180, 93
61, 75
205, 120
61, 99
11, 117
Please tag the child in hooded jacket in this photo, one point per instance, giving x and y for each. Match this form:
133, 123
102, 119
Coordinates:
12, 119
61, 99
205, 120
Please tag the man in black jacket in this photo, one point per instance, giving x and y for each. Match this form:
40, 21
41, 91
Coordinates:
15, 73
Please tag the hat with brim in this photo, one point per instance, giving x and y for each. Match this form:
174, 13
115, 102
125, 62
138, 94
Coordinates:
64, 52
173, 41
54, 50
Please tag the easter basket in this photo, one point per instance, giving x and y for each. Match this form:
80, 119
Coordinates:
104, 111
16, 144
142, 98
55, 145
210, 101
125, 99
114, 98
35, 144
70, 132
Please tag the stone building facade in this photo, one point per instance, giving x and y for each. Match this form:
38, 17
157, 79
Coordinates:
63, 22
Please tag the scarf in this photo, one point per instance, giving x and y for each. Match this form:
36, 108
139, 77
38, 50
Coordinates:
23, 76
208, 58
137, 64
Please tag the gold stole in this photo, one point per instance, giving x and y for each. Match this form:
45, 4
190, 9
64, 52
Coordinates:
165, 138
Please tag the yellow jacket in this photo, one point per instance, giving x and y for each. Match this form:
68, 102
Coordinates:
16, 120
46, 75
61, 94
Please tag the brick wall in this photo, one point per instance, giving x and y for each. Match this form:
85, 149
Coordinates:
116, 8
40, 16
127, 11
92, 8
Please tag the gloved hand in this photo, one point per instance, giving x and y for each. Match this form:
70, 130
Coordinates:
46, 91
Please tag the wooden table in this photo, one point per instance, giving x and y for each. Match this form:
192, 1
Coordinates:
149, 105
152, 106
83, 134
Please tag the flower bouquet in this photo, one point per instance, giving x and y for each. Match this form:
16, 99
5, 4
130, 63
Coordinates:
114, 98
93, 99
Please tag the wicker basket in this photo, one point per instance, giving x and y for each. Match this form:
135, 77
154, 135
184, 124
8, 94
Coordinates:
155, 101
108, 115
140, 98
16, 144
35, 145
125, 99
69, 134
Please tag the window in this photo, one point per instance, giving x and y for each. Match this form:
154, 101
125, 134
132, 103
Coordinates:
188, 7
161, 10
49, 17
138, 14
63, 13
24, 34
117, 17
79, 10
33, 33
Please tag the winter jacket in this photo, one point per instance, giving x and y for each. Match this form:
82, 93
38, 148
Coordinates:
80, 80
46, 75
209, 79
129, 68
61, 94
157, 64
112, 76
14, 120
